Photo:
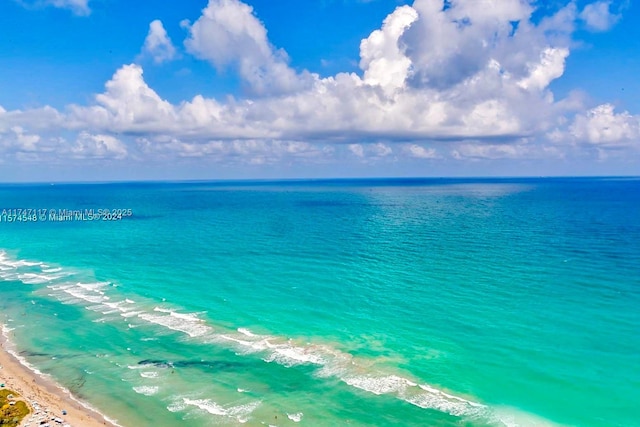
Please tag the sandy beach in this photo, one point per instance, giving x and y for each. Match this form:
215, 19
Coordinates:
46, 399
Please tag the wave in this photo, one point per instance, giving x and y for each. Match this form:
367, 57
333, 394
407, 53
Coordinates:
146, 390
296, 418
149, 374
240, 412
328, 361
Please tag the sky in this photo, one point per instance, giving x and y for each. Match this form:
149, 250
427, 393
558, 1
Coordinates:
105, 90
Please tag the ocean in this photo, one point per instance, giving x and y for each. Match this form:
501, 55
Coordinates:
404, 302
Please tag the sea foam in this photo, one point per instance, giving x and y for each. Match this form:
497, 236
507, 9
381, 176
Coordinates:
328, 361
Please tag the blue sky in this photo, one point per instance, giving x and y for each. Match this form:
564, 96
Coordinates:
99, 90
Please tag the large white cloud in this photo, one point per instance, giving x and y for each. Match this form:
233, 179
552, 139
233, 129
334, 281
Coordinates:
381, 56
434, 73
229, 34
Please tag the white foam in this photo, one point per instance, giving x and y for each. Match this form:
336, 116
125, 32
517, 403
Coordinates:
20, 263
146, 390
420, 395
453, 407
207, 405
193, 328
89, 292
289, 355
246, 332
135, 367
177, 407
184, 316
149, 374
296, 418
239, 412
284, 353
37, 279
377, 385
134, 313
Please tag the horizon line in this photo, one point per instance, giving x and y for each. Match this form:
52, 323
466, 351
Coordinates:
317, 179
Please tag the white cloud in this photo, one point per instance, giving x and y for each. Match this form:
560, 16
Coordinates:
28, 146
88, 146
449, 45
128, 104
420, 152
18, 139
157, 44
356, 149
548, 68
380, 149
228, 33
504, 94
25, 141
381, 56
478, 70
598, 16
372, 152
603, 127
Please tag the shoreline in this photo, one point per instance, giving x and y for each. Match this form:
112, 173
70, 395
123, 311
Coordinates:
46, 399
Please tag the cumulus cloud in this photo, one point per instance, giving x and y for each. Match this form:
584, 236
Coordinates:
25, 141
157, 44
467, 70
604, 127
25, 145
381, 56
370, 153
88, 146
229, 34
420, 152
598, 16
128, 104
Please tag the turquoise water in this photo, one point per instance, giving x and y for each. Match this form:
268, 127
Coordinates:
325, 303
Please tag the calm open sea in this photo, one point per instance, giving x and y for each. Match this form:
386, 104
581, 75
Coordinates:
329, 303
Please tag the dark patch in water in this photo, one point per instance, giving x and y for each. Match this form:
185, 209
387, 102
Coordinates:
77, 384
33, 354
218, 365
